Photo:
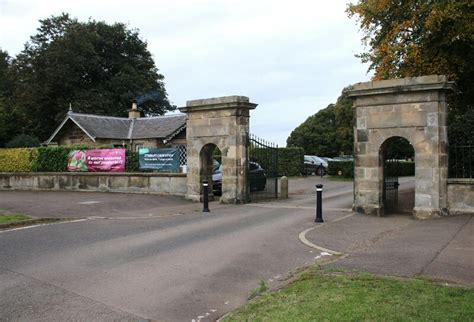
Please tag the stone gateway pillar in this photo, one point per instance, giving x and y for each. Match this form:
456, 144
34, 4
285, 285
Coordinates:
411, 108
221, 122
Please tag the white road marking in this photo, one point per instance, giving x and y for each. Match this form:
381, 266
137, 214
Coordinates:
38, 225
90, 202
304, 240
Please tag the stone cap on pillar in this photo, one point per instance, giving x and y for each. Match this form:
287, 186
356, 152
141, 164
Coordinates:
215, 103
400, 85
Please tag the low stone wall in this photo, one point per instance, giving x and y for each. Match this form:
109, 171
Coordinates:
461, 196
155, 183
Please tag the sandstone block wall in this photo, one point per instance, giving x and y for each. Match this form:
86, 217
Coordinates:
412, 108
154, 183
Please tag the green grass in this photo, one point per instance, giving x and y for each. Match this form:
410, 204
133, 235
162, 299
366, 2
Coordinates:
318, 295
8, 219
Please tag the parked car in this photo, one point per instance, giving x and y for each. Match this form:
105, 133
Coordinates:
344, 158
314, 165
257, 177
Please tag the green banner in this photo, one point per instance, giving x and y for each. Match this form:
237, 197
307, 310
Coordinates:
162, 160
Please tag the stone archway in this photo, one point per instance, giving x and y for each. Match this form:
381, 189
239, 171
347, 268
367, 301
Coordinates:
412, 108
221, 122
397, 196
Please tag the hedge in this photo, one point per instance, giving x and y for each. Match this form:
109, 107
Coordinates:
341, 168
290, 160
346, 168
52, 159
406, 168
131, 161
18, 159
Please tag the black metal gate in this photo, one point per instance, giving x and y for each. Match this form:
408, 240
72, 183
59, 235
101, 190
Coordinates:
390, 185
262, 170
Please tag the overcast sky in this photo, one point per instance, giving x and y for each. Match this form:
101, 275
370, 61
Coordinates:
290, 57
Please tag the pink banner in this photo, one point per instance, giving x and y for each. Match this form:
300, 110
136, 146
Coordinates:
100, 160
105, 160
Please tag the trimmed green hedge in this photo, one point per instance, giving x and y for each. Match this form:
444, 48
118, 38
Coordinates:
346, 168
18, 159
406, 168
131, 161
341, 168
290, 160
52, 159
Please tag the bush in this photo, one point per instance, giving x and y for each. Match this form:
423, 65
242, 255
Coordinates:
290, 160
23, 141
342, 168
52, 159
18, 160
131, 161
406, 168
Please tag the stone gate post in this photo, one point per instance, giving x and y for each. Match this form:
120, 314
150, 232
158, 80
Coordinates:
411, 108
221, 122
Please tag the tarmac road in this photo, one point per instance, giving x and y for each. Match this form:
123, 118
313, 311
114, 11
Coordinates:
142, 264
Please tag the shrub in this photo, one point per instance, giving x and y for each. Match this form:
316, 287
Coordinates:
23, 141
406, 168
131, 161
52, 159
290, 160
18, 160
342, 168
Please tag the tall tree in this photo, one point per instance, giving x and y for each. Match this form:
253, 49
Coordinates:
328, 132
97, 67
407, 38
8, 126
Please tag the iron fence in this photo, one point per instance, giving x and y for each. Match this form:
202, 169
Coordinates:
262, 172
461, 162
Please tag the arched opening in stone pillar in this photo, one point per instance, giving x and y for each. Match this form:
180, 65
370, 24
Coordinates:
210, 168
397, 165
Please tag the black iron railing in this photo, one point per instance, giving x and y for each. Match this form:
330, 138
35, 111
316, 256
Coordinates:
461, 162
262, 169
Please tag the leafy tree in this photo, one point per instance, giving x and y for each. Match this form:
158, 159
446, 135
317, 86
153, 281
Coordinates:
8, 126
23, 141
412, 38
329, 132
97, 67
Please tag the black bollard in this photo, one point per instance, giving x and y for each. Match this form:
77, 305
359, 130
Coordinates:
322, 170
205, 198
319, 203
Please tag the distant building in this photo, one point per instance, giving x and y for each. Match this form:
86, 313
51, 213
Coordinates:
132, 133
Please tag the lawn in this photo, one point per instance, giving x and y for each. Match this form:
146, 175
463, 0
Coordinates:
7, 219
341, 296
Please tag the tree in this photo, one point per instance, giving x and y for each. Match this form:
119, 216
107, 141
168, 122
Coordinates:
407, 38
8, 126
328, 132
98, 68
23, 141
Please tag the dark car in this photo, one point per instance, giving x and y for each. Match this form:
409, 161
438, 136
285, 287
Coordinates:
257, 177
314, 165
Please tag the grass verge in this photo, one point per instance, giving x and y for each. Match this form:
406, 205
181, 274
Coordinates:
8, 221
335, 296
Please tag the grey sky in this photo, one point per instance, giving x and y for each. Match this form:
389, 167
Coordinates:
291, 57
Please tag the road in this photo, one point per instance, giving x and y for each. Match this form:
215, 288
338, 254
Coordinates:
142, 264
